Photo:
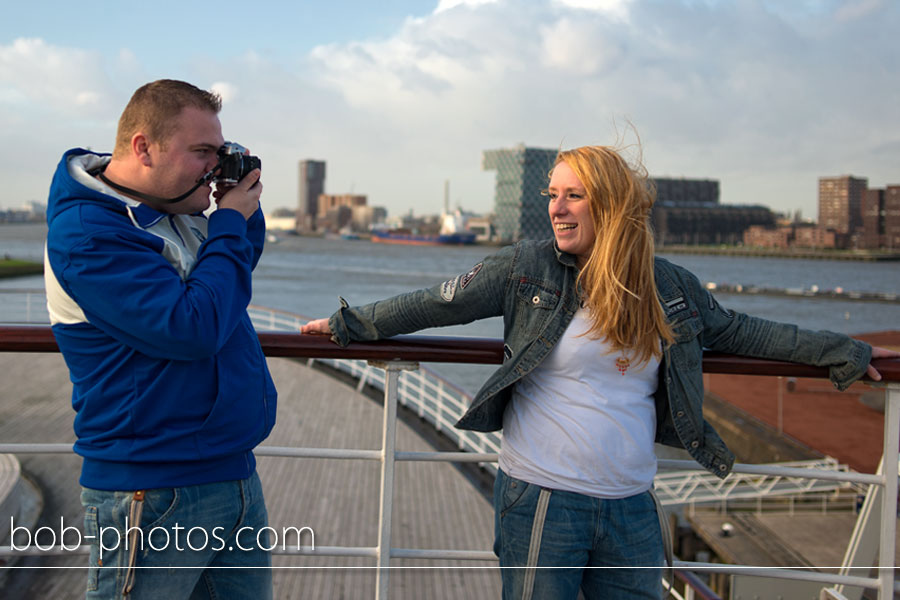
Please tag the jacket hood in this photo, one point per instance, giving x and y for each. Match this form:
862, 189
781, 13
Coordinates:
74, 184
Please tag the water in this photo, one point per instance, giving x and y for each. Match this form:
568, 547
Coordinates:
307, 276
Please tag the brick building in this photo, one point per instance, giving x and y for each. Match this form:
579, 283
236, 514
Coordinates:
891, 237
872, 211
760, 236
840, 202
336, 211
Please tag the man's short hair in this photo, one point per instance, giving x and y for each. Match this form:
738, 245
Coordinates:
154, 107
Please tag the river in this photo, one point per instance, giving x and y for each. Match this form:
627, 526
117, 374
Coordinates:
307, 275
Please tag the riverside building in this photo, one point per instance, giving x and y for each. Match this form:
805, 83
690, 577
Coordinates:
687, 211
520, 211
840, 202
880, 214
311, 186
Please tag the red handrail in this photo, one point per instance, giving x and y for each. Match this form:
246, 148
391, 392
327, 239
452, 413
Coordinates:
422, 348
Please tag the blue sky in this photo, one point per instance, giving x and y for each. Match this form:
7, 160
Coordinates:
398, 96
162, 31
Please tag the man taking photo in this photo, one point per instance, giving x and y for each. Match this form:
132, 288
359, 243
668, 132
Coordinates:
148, 303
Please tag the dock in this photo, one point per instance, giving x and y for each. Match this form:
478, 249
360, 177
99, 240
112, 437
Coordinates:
436, 506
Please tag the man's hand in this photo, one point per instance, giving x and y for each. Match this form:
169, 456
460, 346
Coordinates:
243, 196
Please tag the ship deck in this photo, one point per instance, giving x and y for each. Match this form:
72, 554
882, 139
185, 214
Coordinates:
435, 505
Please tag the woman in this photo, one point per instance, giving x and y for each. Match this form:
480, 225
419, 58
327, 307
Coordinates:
603, 347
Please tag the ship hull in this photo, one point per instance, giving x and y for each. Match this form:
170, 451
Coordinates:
454, 239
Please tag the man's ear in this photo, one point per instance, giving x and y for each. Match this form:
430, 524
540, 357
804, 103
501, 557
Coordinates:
140, 147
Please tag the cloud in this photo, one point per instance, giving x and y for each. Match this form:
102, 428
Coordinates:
226, 91
733, 91
851, 10
577, 47
44, 77
764, 97
51, 98
617, 9
445, 5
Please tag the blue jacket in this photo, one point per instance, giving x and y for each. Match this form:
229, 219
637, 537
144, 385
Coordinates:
532, 285
169, 381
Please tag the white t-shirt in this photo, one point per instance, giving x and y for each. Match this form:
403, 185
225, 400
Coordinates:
584, 420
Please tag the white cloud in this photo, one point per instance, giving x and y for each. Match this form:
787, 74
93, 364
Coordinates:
613, 8
764, 102
444, 5
51, 98
578, 47
715, 89
225, 90
68, 80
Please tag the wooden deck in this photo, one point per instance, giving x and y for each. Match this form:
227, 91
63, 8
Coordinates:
435, 506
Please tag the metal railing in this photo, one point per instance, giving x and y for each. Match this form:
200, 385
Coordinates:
23, 305
392, 357
422, 390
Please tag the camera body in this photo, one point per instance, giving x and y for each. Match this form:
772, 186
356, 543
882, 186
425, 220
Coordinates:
234, 163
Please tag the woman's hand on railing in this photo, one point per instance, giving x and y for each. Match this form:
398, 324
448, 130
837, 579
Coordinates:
877, 352
321, 326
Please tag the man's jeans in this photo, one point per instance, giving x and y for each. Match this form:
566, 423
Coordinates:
588, 541
190, 541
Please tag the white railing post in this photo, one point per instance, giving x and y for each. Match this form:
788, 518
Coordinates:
889, 499
388, 454
439, 409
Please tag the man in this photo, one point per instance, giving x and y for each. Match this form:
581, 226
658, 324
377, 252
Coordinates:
148, 302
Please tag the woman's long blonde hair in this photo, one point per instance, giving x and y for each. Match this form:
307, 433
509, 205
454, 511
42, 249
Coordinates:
617, 282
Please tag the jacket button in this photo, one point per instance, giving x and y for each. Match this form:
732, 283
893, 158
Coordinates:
695, 444
536, 300
680, 413
722, 467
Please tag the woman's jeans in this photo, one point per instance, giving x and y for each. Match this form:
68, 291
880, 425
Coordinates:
583, 542
202, 541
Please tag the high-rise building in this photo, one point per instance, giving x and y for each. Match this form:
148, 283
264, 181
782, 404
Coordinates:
840, 202
311, 186
891, 239
687, 211
872, 211
519, 207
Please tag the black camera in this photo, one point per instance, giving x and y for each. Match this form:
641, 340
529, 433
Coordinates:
234, 163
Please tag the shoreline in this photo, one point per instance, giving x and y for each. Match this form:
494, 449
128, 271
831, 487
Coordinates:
806, 253
740, 251
12, 267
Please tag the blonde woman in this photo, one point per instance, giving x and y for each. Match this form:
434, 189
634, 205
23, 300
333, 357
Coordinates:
603, 347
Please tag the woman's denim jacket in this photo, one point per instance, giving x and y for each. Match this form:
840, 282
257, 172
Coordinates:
532, 286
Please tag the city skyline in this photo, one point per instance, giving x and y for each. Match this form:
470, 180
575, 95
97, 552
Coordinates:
401, 96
